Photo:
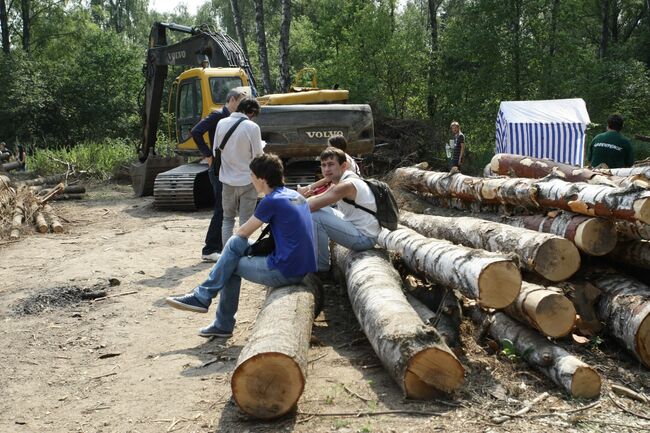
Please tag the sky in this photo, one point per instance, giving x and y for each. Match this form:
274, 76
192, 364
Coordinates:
170, 5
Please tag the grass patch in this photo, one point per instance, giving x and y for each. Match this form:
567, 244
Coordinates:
91, 159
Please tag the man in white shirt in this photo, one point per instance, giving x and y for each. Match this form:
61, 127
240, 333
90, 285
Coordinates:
245, 143
347, 225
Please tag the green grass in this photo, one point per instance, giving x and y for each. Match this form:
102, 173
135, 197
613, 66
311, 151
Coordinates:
92, 160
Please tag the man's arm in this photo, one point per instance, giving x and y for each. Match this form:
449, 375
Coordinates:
201, 128
256, 141
249, 227
331, 196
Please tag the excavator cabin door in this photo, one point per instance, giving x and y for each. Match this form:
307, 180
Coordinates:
189, 107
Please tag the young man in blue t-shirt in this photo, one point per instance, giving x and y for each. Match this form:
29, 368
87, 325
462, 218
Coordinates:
290, 218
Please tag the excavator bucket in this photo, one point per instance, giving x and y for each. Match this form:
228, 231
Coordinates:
186, 187
143, 174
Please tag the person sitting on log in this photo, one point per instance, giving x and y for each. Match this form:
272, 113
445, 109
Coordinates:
347, 225
288, 214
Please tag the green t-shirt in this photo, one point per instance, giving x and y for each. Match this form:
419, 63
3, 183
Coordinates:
612, 149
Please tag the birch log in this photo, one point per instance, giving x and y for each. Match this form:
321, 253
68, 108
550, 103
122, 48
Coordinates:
39, 222
629, 171
18, 216
564, 369
631, 203
633, 253
545, 309
625, 308
414, 354
633, 230
50, 216
594, 236
271, 370
492, 279
553, 257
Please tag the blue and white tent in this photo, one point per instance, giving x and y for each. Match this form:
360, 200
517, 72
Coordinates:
552, 129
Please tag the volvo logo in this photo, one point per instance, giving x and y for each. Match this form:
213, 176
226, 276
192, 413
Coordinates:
323, 134
173, 56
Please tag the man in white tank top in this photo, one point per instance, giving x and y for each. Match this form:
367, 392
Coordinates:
347, 225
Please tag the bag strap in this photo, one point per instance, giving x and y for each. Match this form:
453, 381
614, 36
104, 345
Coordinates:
358, 206
266, 231
229, 133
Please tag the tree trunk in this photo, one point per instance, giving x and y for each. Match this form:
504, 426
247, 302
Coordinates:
594, 236
492, 279
69, 197
47, 180
633, 253
432, 99
18, 216
625, 308
564, 369
52, 218
643, 170
261, 43
544, 308
632, 203
9, 166
270, 374
633, 230
551, 256
4, 25
285, 27
25, 13
604, 30
239, 29
413, 353
39, 222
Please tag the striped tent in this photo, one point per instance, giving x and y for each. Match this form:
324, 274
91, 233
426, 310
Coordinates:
552, 129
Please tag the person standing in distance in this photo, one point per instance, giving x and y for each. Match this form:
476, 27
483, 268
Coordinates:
611, 147
213, 241
458, 150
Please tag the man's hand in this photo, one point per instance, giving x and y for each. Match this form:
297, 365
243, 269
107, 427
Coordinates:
305, 191
209, 159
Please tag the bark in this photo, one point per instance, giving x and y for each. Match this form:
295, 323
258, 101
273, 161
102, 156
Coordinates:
492, 279
239, 29
604, 30
52, 218
4, 25
643, 170
414, 354
594, 236
551, 256
625, 308
544, 308
47, 180
631, 203
564, 369
261, 43
633, 230
270, 374
25, 13
432, 99
633, 253
39, 222
285, 26
18, 216
584, 297
9, 166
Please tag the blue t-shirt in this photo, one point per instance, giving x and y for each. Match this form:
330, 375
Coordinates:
291, 225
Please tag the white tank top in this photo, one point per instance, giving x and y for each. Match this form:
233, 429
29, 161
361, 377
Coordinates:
362, 220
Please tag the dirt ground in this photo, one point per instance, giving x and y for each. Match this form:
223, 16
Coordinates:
129, 363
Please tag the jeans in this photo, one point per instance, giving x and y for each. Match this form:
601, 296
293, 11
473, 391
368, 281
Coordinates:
236, 200
213, 241
329, 224
225, 278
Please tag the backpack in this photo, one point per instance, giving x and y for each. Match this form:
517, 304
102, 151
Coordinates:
387, 211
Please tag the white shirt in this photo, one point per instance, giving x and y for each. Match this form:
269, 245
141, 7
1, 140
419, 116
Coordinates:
362, 220
244, 144
352, 164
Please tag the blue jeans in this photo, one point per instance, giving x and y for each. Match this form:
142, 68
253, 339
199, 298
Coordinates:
213, 241
225, 278
329, 224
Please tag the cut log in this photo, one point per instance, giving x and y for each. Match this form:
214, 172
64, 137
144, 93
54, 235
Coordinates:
631, 203
633, 230
52, 218
594, 236
492, 279
18, 216
69, 197
584, 297
544, 308
46, 180
39, 222
625, 308
9, 166
629, 171
270, 374
414, 354
565, 370
632, 253
551, 256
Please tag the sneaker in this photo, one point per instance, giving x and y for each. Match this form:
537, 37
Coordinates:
214, 257
187, 302
213, 331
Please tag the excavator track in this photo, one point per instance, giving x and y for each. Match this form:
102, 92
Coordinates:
183, 188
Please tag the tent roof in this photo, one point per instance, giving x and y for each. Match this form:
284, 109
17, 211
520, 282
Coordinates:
555, 110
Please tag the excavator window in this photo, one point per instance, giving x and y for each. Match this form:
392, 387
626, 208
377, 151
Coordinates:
189, 107
220, 86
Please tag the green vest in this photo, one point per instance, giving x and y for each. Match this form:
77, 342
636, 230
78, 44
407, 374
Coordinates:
610, 148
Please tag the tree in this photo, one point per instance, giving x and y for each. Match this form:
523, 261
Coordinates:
285, 80
261, 43
238, 26
4, 26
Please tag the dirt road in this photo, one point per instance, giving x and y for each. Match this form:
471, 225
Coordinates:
126, 362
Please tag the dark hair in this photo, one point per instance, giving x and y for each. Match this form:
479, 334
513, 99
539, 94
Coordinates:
339, 142
249, 106
269, 167
615, 122
333, 153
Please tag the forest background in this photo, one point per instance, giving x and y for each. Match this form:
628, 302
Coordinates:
71, 71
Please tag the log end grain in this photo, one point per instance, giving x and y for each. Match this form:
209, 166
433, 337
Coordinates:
433, 368
643, 341
585, 383
596, 236
494, 163
499, 284
555, 315
557, 259
267, 385
642, 210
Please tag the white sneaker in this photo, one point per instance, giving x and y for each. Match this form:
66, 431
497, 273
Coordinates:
211, 257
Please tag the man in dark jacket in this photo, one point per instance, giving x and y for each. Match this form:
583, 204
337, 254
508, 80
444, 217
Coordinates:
213, 241
611, 147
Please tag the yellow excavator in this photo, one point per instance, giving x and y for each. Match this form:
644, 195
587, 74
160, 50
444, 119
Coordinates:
294, 125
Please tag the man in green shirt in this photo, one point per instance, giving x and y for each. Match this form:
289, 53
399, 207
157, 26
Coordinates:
611, 147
